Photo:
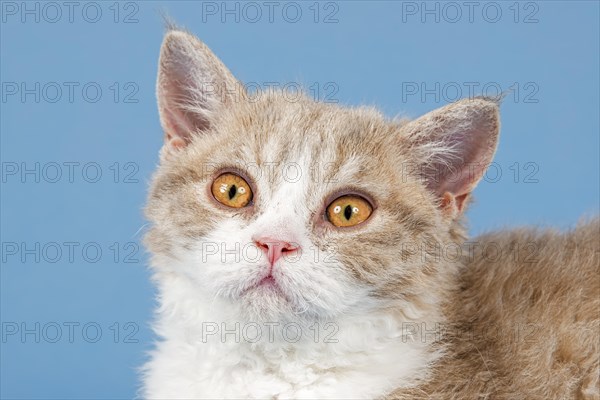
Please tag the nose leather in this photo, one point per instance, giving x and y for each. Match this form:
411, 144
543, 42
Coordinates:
274, 248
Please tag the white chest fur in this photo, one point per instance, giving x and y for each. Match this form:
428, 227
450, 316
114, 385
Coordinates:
208, 353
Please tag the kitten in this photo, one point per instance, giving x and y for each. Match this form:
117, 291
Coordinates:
305, 250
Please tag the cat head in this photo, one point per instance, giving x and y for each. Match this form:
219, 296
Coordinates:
299, 209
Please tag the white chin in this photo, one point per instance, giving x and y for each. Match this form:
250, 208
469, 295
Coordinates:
266, 303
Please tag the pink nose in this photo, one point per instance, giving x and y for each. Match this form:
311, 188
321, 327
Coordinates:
274, 248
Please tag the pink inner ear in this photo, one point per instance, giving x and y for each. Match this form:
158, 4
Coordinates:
455, 144
180, 125
174, 126
460, 172
192, 86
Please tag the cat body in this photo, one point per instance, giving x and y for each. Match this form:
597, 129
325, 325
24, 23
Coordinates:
525, 319
301, 250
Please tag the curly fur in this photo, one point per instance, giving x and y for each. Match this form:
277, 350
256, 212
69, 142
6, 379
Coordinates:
417, 309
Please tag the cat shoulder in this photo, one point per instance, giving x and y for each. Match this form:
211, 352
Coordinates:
531, 301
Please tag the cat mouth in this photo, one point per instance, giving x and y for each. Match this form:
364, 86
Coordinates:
268, 281
267, 284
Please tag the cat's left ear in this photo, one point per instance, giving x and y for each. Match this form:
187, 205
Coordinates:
192, 88
453, 146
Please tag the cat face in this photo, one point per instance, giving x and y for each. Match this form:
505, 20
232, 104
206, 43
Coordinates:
301, 210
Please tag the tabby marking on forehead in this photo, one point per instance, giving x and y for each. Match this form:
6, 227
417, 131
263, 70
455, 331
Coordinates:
279, 263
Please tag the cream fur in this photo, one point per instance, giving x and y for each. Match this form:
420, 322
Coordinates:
397, 315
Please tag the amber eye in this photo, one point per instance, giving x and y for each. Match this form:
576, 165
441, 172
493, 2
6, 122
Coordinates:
349, 211
232, 190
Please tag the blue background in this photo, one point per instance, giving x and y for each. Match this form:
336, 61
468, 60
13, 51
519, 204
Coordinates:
373, 51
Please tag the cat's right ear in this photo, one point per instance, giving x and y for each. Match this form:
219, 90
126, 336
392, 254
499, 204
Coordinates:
192, 87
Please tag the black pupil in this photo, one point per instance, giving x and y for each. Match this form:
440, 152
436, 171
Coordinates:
232, 192
347, 212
